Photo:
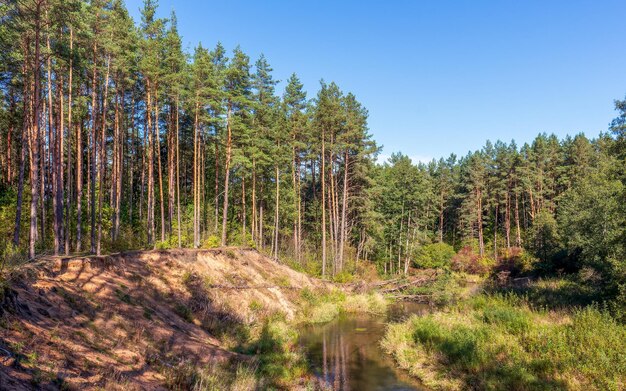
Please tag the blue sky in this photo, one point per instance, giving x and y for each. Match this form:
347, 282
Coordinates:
437, 77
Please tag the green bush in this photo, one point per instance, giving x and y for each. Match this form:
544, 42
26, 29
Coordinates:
435, 255
162, 245
343, 277
468, 261
211, 242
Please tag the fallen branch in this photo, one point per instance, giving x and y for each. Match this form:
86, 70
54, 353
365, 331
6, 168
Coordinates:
242, 287
417, 282
423, 298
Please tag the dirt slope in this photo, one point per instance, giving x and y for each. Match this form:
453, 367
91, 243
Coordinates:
117, 321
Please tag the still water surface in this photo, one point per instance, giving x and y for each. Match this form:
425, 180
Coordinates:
345, 354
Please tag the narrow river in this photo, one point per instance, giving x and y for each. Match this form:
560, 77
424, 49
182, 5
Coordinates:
345, 354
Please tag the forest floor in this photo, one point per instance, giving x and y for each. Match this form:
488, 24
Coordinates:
133, 320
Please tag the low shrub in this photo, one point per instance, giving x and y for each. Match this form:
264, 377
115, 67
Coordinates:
467, 261
435, 255
516, 262
211, 242
162, 245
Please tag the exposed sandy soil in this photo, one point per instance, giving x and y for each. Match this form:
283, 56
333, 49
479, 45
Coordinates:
113, 321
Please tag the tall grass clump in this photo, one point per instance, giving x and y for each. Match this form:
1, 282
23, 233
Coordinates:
499, 342
324, 306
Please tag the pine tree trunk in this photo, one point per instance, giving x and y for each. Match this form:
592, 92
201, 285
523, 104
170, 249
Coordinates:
217, 183
227, 173
93, 151
69, 147
34, 140
299, 197
261, 241
196, 239
323, 203
518, 233
441, 210
243, 213
150, 164
479, 222
53, 150
254, 217
170, 170
276, 215
120, 166
296, 198
507, 220
24, 138
178, 174
495, 234
102, 168
343, 210
58, 218
158, 147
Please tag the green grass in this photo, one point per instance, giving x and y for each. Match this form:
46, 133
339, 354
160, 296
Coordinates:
184, 312
499, 342
322, 307
225, 376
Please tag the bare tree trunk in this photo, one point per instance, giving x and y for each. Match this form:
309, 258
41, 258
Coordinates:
243, 213
102, 169
53, 150
24, 137
299, 211
59, 193
507, 220
158, 146
323, 203
69, 146
170, 170
441, 210
178, 174
518, 234
254, 217
202, 192
495, 234
261, 241
34, 139
150, 164
276, 215
119, 165
227, 173
133, 154
479, 221
532, 204
344, 207
196, 238
93, 151
217, 183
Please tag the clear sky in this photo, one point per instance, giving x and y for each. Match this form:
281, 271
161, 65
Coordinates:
437, 77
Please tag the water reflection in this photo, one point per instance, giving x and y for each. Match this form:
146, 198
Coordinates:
346, 354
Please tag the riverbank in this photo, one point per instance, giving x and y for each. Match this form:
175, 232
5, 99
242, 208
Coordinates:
505, 342
176, 319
